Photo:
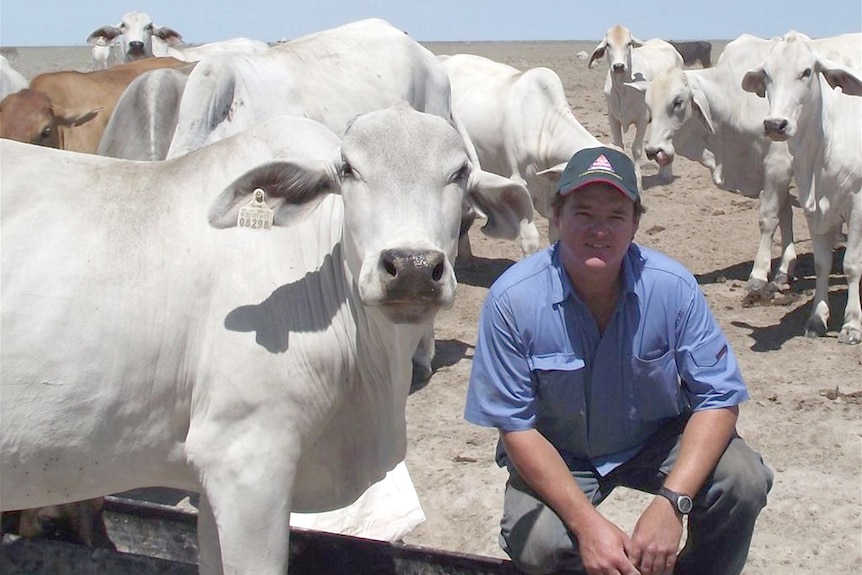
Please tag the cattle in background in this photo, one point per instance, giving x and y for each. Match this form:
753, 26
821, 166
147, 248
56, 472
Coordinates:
267, 365
145, 116
705, 116
631, 60
11, 80
69, 110
694, 52
139, 38
101, 53
306, 77
822, 126
519, 122
81, 523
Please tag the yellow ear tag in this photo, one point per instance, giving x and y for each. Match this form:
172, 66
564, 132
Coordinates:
255, 215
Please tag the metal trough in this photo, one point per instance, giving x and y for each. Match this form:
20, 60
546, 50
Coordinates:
160, 539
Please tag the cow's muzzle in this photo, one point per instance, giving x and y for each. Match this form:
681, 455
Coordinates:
659, 155
414, 283
776, 129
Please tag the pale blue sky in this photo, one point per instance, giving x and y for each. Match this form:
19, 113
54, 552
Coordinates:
68, 22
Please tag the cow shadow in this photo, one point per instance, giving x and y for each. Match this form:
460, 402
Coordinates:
653, 180
278, 315
792, 324
803, 274
447, 353
481, 272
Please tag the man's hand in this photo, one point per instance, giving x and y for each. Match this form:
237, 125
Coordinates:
655, 541
603, 547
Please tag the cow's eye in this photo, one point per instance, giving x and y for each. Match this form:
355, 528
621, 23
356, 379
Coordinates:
346, 170
677, 103
462, 174
46, 133
149, 28
806, 73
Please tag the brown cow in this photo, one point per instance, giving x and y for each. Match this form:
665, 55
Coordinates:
69, 110
81, 522
692, 52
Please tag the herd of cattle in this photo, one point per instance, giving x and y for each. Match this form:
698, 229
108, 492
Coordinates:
247, 272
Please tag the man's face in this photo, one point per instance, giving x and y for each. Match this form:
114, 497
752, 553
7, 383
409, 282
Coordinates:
597, 223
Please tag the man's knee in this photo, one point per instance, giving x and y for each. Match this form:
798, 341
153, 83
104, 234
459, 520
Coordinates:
742, 477
540, 544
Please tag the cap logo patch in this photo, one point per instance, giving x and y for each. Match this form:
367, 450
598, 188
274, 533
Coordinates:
601, 163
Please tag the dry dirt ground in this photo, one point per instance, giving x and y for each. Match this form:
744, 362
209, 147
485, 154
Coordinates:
804, 415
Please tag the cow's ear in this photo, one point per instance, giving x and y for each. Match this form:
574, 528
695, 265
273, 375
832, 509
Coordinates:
702, 105
72, 117
755, 81
840, 76
503, 201
554, 173
169, 35
292, 188
598, 53
106, 33
639, 85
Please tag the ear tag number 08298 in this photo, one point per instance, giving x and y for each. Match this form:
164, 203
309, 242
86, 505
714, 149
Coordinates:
255, 215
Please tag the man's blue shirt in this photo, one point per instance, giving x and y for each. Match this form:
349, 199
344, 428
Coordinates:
541, 362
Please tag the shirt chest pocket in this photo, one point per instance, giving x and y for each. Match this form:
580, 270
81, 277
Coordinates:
559, 380
657, 392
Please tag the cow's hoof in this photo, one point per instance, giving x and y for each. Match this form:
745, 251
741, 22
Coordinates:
758, 292
815, 328
421, 376
850, 336
780, 282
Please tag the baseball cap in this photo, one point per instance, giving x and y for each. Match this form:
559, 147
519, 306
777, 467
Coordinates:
601, 164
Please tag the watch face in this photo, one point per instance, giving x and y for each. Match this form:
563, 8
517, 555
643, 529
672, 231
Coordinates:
684, 504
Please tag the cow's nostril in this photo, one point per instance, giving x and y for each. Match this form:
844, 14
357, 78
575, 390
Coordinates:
389, 265
438, 272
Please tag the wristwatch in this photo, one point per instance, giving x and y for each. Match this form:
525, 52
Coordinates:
682, 503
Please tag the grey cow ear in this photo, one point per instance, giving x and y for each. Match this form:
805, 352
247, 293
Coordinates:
292, 188
104, 34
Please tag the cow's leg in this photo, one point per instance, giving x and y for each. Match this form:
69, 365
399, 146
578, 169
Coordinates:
788, 247
422, 359
247, 474
209, 552
529, 237
775, 211
851, 331
819, 318
616, 131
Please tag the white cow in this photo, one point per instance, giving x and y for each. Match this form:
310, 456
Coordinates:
145, 117
149, 340
632, 60
705, 116
823, 130
331, 76
140, 38
519, 122
101, 52
11, 80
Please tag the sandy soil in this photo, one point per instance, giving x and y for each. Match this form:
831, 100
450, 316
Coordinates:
804, 415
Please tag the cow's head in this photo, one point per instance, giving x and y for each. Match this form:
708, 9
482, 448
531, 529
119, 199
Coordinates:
618, 44
790, 79
135, 33
673, 101
29, 116
403, 176
81, 523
